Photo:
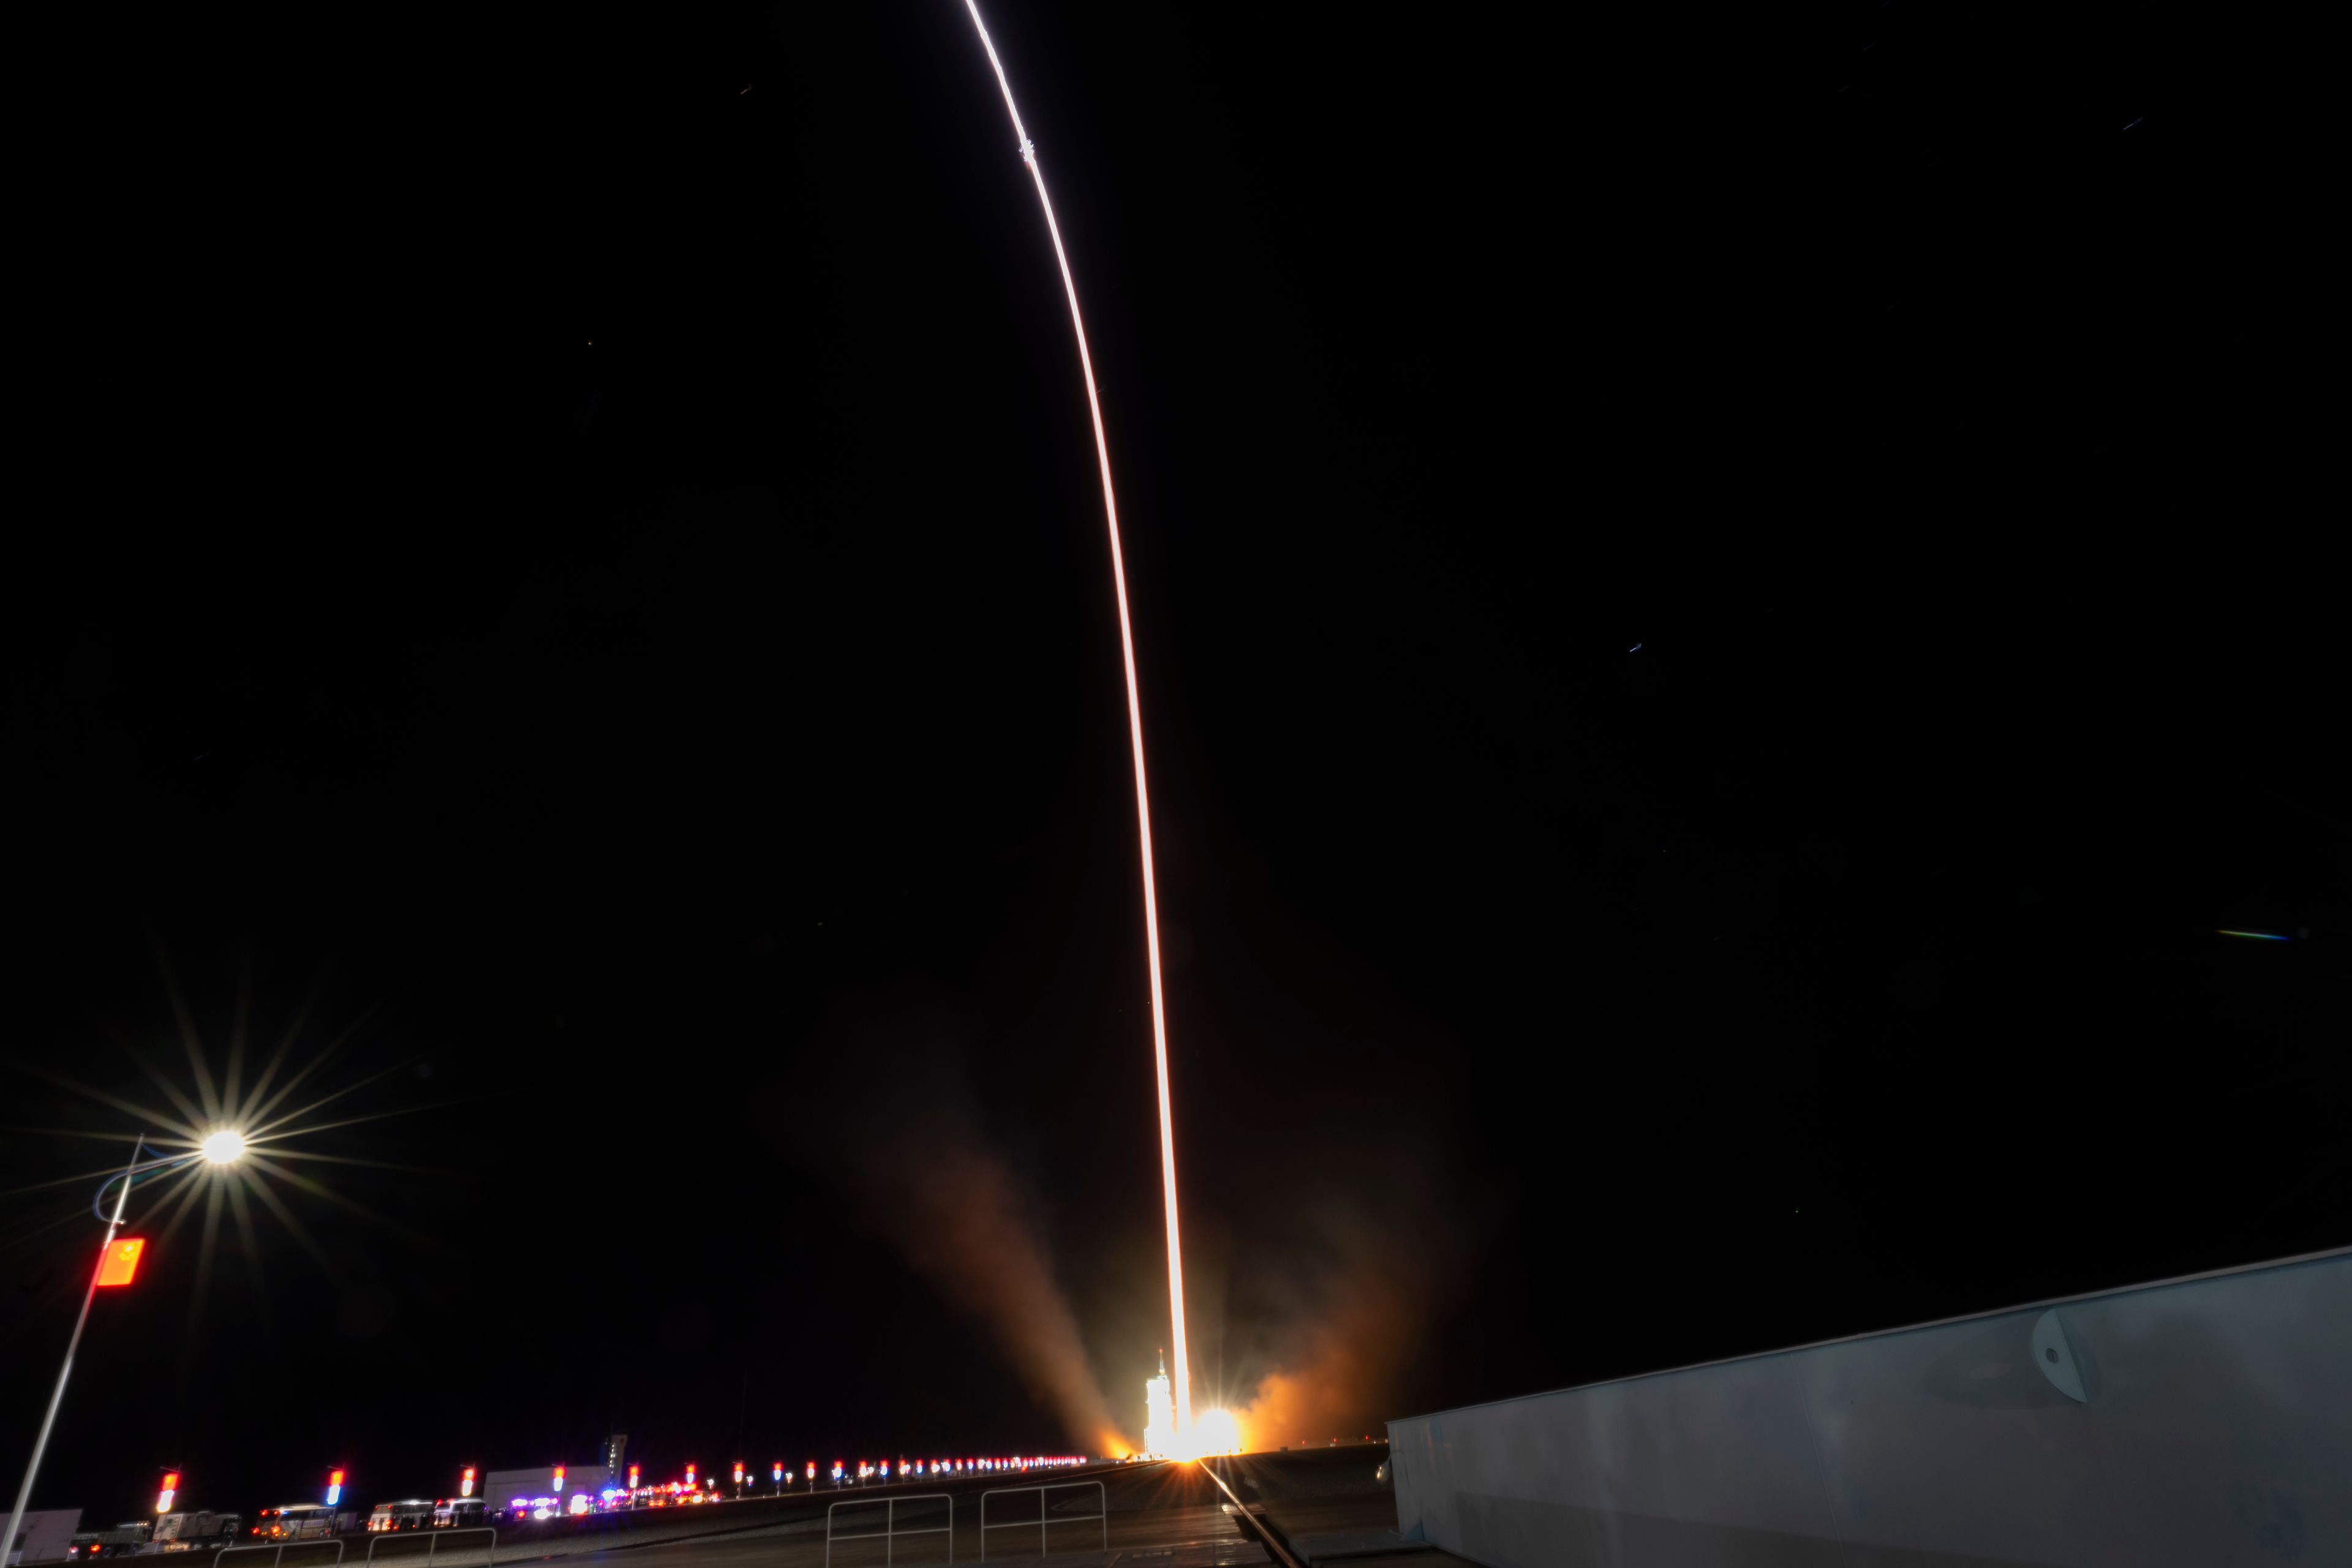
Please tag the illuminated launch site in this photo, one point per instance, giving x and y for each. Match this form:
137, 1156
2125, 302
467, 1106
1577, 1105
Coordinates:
639, 891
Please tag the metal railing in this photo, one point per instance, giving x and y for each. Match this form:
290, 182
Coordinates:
433, 1540
1252, 1522
889, 1532
1045, 1513
225, 1552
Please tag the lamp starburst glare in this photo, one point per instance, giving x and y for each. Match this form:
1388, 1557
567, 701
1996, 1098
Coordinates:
224, 1147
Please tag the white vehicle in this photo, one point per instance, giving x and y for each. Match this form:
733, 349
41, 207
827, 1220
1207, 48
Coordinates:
295, 1522
188, 1531
458, 1513
409, 1513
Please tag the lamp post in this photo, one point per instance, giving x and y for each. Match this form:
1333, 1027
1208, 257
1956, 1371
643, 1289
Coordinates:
219, 1150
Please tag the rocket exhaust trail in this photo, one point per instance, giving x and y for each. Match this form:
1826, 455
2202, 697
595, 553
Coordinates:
1184, 1377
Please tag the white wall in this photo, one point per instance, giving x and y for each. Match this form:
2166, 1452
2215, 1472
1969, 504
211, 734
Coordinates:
2198, 1423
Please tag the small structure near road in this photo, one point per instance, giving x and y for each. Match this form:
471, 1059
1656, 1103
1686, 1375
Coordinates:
44, 1536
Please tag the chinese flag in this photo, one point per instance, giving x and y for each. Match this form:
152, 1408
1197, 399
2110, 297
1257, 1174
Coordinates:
122, 1261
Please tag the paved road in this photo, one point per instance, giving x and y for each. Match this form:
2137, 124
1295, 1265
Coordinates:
1328, 1508
1317, 1493
1154, 1516
1322, 1501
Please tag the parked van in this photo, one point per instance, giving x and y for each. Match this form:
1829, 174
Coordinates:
458, 1513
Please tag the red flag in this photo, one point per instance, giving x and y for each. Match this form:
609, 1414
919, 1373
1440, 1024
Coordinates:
122, 1261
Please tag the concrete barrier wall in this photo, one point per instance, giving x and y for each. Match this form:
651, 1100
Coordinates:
2199, 1422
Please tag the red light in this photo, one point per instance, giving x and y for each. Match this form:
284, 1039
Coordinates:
119, 1263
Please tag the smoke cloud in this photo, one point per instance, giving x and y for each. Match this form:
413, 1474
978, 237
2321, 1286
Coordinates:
1339, 1383
947, 1202
1355, 1312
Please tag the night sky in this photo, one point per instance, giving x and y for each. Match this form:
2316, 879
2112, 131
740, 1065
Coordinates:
1724, 613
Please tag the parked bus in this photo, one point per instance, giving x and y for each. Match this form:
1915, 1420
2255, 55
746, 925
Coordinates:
409, 1513
295, 1522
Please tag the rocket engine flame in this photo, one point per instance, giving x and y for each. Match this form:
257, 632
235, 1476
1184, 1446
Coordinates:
1183, 1375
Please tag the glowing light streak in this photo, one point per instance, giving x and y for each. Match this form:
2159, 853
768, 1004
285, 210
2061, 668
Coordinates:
1184, 1376
2253, 935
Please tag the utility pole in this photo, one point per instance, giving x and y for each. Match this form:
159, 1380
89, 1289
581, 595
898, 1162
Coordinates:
41, 1442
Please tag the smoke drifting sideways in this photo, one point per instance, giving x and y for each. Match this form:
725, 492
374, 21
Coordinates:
935, 1188
1346, 1321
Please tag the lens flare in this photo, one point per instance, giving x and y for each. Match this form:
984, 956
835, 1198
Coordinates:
1216, 1432
1184, 1377
224, 1147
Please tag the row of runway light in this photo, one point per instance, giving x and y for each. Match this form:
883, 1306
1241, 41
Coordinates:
780, 1474
701, 1490
880, 1473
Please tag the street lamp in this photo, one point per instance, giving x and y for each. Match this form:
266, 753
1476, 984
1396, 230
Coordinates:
221, 1148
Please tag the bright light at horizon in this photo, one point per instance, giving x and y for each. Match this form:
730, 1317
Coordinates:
1216, 1432
222, 1148
1212, 1432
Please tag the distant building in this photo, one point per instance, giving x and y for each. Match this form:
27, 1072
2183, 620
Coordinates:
501, 1488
